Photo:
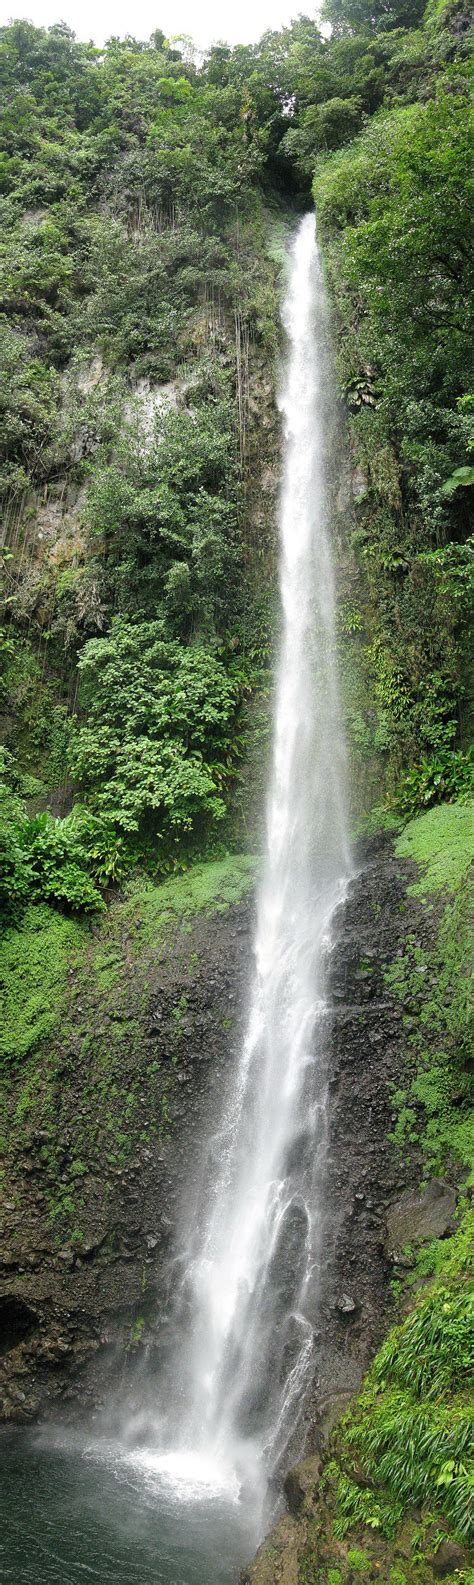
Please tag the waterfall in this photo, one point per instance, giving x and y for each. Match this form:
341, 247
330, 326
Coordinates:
253, 1248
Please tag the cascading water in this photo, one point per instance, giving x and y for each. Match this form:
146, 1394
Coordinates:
252, 1253
230, 1402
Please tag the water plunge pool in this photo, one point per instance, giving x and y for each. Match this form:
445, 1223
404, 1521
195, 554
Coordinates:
75, 1513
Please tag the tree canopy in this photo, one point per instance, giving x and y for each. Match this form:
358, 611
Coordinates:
138, 192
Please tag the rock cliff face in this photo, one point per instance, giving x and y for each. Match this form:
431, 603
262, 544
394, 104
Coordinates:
75, 1311
362, 1175
79, 1305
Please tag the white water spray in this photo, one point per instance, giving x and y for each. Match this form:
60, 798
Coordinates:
253, 1253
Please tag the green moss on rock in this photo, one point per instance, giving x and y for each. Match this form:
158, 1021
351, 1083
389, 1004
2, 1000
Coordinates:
434, 988
211, 887
442, 843
34, 964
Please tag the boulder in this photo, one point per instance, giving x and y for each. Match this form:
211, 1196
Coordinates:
416, 1218
301, 1483
448, 1557
346, 1304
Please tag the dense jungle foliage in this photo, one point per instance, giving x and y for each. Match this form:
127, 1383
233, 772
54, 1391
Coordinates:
145, 202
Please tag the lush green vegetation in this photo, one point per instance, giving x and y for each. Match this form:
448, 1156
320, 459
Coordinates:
34, 966
435, 1104
441, 846
145, 204
399, 1478
394, 215
140, 201
411, 1427
132, 222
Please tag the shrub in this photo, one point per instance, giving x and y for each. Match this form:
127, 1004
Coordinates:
59, 861
15, 865
158, 737
446, 776
43, 858
412, 1427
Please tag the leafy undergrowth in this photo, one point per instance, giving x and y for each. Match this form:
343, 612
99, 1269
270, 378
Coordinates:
396, 1502
407, 1440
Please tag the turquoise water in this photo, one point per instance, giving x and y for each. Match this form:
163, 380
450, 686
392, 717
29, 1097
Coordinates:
77, 1515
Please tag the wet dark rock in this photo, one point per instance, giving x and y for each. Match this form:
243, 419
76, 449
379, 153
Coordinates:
96, 1287
331, 1407
448, 1558
417, 1218
17, 1321
346, 1305
301, 1483
276, 1562
360, 1172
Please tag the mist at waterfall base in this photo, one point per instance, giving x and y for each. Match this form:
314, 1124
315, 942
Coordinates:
198, 1466
74, 1512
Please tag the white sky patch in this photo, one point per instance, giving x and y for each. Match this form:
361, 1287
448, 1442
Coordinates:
206, 22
